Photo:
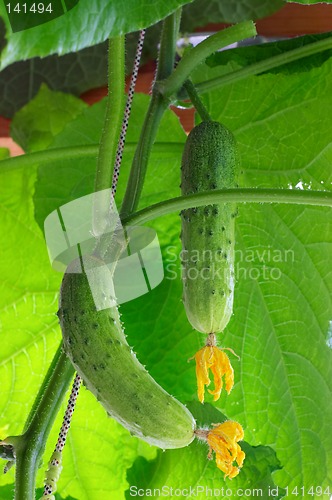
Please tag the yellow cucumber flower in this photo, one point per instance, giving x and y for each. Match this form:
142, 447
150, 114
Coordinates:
213, 358
223, 440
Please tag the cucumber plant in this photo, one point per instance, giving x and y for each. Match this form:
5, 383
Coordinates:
81, 322
96, 345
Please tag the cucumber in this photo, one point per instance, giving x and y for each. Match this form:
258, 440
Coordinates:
209, 162
96, 345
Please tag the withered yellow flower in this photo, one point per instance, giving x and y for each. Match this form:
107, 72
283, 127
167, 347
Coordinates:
213, 358
223, 440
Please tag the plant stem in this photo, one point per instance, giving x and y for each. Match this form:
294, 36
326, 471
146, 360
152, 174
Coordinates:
140, 162
114, 113
111, 133
48, 156
261, 66
199, 53
196, 101
31, 444
167, 49
290, 196
154, 114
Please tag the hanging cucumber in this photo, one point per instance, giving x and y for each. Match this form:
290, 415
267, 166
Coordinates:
96, 344
209, 162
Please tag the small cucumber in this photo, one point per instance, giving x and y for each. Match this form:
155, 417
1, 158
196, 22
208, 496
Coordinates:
209, 162
96, 344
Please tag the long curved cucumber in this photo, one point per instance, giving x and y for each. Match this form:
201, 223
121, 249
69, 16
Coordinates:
96, 344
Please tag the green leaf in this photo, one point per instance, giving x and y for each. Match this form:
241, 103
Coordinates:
245, 56
7, 491
74, 73
29, 340
69, 32
288, 118
35, 125
170, 469
4, 153
282, 395
97, 454
200, 13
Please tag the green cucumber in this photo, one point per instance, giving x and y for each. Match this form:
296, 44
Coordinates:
209, 162
96, 344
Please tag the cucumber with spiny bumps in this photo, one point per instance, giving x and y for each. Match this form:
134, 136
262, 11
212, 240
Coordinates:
95, 342
209, 162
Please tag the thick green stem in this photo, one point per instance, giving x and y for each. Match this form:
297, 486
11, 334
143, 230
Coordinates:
140, 162
167, 49
111, 132
154, 114
30, 446
114, 113
196, 101
290, 196
261, 66
199, 53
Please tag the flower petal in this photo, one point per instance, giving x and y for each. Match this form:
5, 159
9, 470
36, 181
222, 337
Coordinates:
202, 374
223, 439
213, 358
230, 470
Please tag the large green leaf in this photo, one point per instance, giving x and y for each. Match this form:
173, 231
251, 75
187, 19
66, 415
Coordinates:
245, 56
89, 23
281, 112
4, 153
283, 381
280, 325
34, 126
283, 292
75, 73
